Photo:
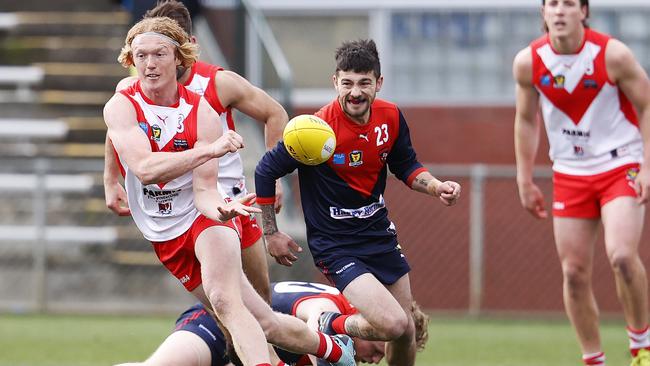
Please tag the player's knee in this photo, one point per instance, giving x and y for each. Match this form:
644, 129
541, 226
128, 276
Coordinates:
575, 276
222, 302
395, 325
271, 326
622, 265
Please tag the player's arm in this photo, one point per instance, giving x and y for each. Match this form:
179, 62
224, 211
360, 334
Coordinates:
237, 92
274, 165
114, 193
527, 133
403, 162
624, 70
207, 198
149, 167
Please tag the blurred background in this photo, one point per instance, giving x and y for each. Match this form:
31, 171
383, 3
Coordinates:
446, 64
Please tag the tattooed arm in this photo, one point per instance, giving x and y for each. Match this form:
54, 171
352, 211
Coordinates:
279, 245
448, 192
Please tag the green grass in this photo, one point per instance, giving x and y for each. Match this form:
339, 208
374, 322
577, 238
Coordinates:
88, 341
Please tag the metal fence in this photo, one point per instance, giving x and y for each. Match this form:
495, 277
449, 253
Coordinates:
61, 251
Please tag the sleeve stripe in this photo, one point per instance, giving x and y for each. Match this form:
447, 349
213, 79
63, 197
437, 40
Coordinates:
411, 177
265, 200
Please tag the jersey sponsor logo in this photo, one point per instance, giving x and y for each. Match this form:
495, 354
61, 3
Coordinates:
545, 80
155, 194
356, 158
156, 132
181, 144
577, 134
590, 84
144, 126
338, 159
339, 213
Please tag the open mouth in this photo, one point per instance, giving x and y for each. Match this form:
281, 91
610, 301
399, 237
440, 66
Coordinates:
356, 101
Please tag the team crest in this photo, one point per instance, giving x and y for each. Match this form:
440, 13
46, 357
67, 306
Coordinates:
156, 132
356, 158
165, 208
558, 81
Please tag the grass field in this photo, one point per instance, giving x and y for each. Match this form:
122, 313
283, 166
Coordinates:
88, 341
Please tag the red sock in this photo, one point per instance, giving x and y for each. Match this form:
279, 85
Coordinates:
281, 364
339, 324
594, 359
263, 364
328, 349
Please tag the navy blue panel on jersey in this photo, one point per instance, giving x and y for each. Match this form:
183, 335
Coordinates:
197, 320
342, 200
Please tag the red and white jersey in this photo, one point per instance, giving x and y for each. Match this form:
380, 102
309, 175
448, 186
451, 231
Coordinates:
163, 211
231, 169
592, 127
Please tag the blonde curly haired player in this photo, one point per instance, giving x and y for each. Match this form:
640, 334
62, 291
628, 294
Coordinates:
174, 200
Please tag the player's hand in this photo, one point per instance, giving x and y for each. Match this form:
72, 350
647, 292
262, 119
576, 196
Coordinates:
532, 199
278, 196
448, 192
230, 141
642, 185
116, 201
239, 207
282, 247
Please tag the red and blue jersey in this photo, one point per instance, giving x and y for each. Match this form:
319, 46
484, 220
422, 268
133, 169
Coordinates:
342, 199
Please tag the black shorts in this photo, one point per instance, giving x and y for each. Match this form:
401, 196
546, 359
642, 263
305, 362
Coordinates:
198, 321
386, 267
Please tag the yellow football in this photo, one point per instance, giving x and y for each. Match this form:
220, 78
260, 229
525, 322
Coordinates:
309, 139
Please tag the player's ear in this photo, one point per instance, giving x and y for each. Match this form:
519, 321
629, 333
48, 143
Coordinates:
334, 80
380, 82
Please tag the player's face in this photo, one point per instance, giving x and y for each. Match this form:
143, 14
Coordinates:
563, 17
368, 351
155, 61
356, 92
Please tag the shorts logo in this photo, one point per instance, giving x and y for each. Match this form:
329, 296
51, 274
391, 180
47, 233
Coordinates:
156, 132
185, 279
631, 174
558, 205
345, 267
356, 158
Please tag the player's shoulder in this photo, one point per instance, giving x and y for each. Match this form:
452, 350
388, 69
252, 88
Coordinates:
126, 83
522, 65
329, 111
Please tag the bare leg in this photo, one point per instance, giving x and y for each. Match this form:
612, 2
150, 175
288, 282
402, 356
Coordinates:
574, 240
217, 248
623, 222
401, 351
381, 317
256, 268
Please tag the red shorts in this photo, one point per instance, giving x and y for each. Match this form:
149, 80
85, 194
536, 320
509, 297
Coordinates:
177, 255
583, 196
250, 231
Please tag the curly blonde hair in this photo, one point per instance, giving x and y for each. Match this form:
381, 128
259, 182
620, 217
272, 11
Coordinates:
187, 52
421, 326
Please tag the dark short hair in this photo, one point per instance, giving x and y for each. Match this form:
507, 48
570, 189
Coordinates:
172, 9
358, 56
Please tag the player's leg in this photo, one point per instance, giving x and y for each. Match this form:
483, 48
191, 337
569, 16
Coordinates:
401, 351
380, 316
181, 348
256, 267
575, 240
623, 223
217, 249
291, 333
